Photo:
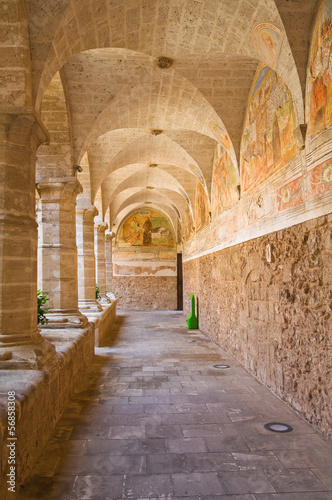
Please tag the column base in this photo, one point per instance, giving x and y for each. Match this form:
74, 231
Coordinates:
65, 318
89, 306
32, 355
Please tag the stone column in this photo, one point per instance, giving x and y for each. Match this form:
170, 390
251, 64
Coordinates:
59, 251
108, 255
101, 259
22, 346
86, 260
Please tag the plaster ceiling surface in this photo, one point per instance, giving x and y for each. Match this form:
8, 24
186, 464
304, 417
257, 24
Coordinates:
126, 113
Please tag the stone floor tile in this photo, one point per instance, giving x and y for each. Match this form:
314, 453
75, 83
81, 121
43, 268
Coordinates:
242, 482
200, 430
126, 432
163, 431
97, 487
295, 459
101, 464
271, 442
197, 484
147, 486
324, 474
185, 445
294, 480
224, 443
256, 460
209, 462
125, 447
166, 463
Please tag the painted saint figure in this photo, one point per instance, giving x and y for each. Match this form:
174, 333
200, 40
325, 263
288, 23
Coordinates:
135, 232
147, 232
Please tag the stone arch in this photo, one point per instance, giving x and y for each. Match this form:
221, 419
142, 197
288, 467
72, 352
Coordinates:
114, 180
146, 150
55, 158
117, 24
143, 196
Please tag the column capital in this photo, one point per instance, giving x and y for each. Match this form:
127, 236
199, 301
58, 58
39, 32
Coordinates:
90, 213
61, 187
22, 126
101, 227
109, 235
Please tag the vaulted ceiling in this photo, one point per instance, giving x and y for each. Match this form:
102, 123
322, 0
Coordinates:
129, 90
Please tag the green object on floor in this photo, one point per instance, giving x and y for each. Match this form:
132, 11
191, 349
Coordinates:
192, 320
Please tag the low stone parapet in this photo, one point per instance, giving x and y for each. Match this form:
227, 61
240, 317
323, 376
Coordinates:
38, 398
102, 321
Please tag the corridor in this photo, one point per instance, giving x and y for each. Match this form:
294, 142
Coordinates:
157, 420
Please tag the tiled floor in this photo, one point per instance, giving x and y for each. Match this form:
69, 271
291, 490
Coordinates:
157, 420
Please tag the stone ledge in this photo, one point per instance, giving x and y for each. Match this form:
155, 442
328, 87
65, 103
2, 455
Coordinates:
41, 397
102, 320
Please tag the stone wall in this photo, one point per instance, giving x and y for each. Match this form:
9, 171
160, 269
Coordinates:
268, 302
145, 292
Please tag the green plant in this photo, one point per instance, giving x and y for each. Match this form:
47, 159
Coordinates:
41, 310
98, 296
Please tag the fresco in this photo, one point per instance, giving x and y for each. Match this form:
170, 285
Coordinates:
189, 230
290, 195
221, 135
198, 174
320, 179
146, 228
267, 40
321, 72
268, 141
224, 182
201, 207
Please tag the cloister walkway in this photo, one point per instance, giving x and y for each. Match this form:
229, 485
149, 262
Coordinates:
157, 420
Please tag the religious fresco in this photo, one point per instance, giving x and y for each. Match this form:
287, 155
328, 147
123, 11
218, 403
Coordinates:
201, 207
189, 229
198, 174
146, 228
268, 141
221, 135
225, 192
268, 41
321, 72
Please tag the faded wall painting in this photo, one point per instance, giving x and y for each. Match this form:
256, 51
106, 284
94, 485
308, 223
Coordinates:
189, 229
201, 207
225, 180
320, 179
267, 40
146, 228
268, 141
321, 72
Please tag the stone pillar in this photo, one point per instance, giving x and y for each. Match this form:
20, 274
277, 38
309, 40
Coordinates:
101, 259
108, 255
22, 346
86, 260
59, 251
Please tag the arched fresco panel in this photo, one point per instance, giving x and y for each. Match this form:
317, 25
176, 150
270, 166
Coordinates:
147, 228
320, 66
268, 141
224, 182
201, 207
